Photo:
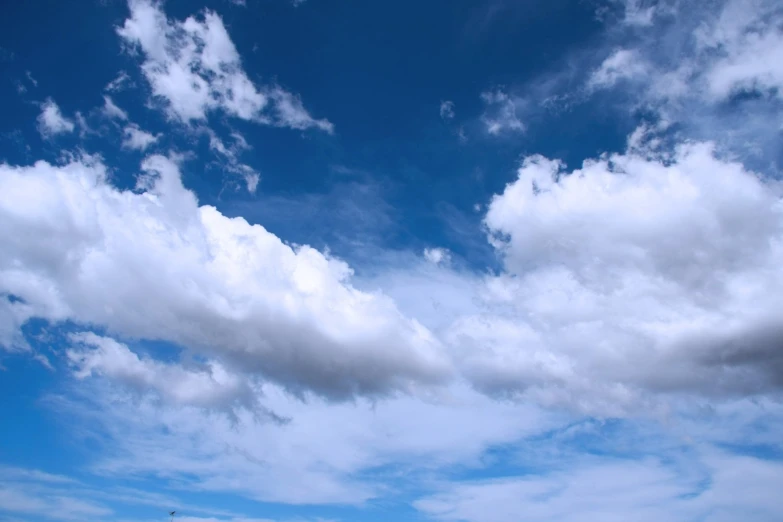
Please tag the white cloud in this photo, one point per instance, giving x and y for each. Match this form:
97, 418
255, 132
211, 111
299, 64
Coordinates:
630, 277
720, 488
138, 139
625, 282
447, 110
121, 82
437, 256
30, 78
51, 121
209, 386
500, 114
640, 12
111, 111
251, 180
753, 63
31, 492
320, 453
84, 126
623, 64
291, 113
689, 63
230, 155
195, 68
35, 493
156, 265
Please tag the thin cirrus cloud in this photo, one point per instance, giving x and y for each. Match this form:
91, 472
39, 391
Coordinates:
611, 489
500, 113
620, 65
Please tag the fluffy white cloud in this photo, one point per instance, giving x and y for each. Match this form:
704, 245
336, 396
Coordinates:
209, 386
195, 68
112, 111
136, 138
500, 114
627, 276
153, 264
51, 121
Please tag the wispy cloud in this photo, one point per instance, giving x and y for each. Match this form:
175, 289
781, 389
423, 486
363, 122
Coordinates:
51, 121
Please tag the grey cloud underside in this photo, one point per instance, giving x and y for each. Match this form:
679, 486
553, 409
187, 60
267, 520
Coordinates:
154, 265
623, 280
628, 277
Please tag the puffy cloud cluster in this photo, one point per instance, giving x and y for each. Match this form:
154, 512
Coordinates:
631, 275
152, 264
628, 278
195, 68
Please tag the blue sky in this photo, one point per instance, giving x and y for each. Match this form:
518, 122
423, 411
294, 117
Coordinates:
330, 260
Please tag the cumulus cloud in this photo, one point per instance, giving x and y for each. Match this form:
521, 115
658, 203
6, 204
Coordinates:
627, 276
51, 120
136, 138
210, 386
500, 114
194, 68
153, 264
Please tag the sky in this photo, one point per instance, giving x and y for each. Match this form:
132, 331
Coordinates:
343, 260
